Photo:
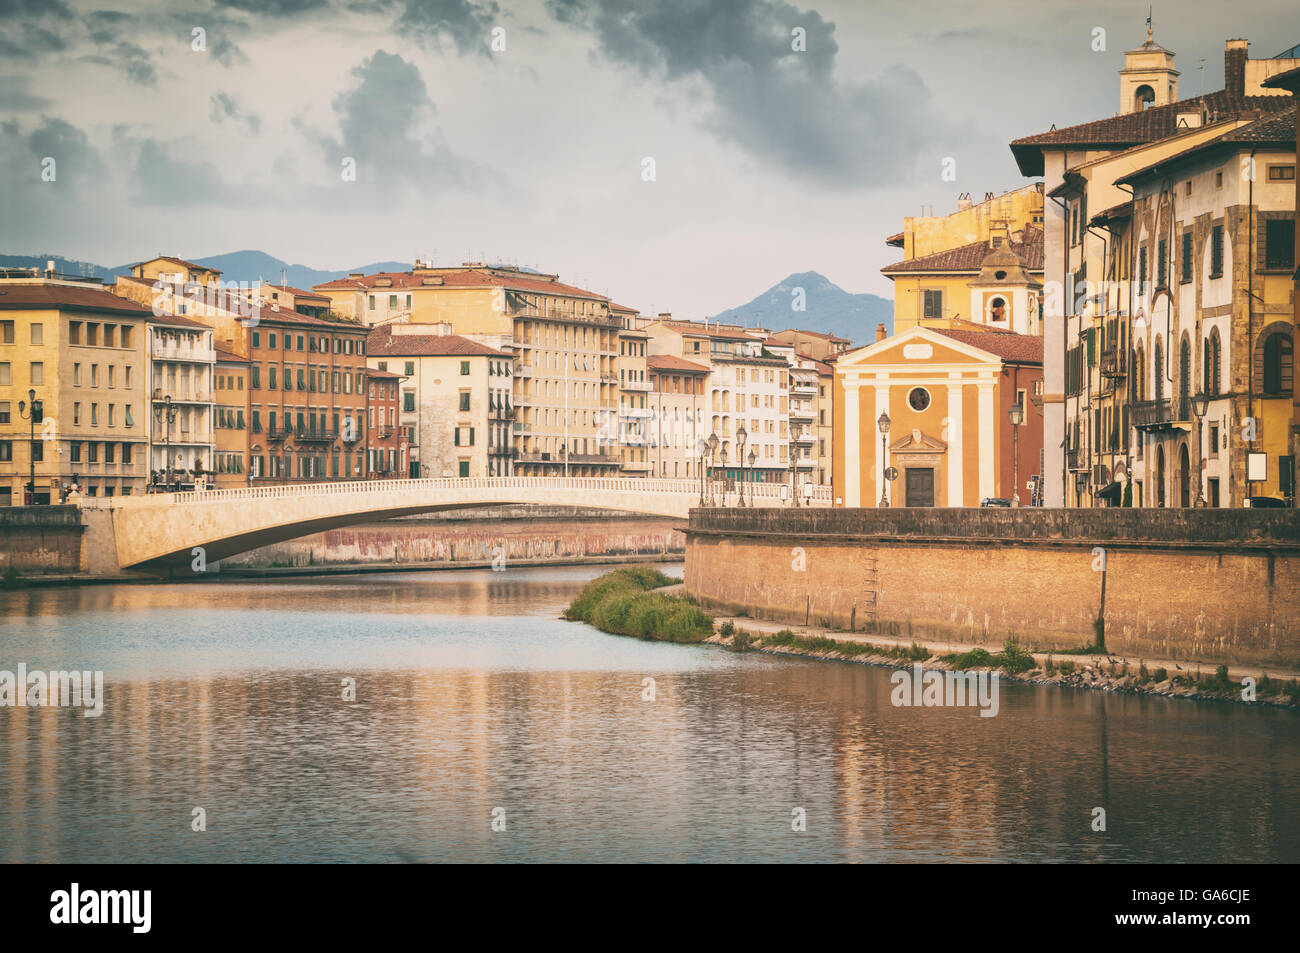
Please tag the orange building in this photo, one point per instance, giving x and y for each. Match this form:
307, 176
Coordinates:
945, 395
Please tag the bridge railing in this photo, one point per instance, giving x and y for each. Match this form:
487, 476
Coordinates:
766, 492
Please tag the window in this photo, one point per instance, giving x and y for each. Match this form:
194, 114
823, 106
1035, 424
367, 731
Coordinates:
1216, 252
464, 468
410, 368
1142, 267
6, 332
1281, 173
1162, 264
464, 400
1185, 268
270, 340
6, 375
933, 303
1213, 363
74, 451
257, 339
37, 372
1274, 368
5, 413
38, 332
1218, 180
1279, 244
7, 451
408, 401
464, 368
918, 399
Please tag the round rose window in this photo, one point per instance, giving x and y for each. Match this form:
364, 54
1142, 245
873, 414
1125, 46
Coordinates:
918, 399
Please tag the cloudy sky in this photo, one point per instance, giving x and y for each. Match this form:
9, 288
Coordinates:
520, 130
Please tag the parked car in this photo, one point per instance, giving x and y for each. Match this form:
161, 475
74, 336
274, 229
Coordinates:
1265, 502
995, 501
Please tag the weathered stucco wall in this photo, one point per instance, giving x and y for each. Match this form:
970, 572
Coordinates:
1213, 585
472, 542
35, 539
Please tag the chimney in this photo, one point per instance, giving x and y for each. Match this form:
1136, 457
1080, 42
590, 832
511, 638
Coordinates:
356, 274
1234, 69
963, 201
880, 332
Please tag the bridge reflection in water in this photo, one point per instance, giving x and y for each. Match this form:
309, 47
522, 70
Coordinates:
169, 530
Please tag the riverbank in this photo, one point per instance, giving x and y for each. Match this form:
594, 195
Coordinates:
1081, 668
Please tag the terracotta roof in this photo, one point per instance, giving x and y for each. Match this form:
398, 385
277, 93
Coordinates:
19, 294
896, 240
822, 366
229, 357
817, 334
382, 341
1016, 348
376, 373
666, 362
1287, 80
1136, 128
729, 332
466, 278
969, 258
176, 321
178, 261
226, 299
619, 307
296, 292
1277, 129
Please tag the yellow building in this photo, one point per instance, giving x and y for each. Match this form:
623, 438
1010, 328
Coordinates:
171, 270
232, 392
565, 342
942, 254
634, 416
934, 405
81, 351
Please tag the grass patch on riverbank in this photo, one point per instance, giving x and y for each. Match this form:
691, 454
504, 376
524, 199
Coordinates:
1014, 659
622, 602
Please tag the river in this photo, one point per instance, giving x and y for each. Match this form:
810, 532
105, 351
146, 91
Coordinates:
476, 707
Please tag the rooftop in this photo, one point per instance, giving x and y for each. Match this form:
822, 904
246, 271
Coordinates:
969, 258
382, 341
67, 297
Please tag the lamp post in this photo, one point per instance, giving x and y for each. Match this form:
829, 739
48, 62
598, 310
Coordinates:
794, 474
1017, 415
741, 434
722, 489
883, 423
1200, 404
713, 448
752, 457
36, 415
703, 447
167, 414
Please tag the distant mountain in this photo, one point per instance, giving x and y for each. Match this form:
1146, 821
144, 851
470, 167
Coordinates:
250, 266
63, 266
827, 308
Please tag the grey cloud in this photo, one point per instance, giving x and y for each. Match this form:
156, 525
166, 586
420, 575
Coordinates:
225, 106
468, 23
78, 162
163, 179
379, 117
16, 95
783, 107
273, 8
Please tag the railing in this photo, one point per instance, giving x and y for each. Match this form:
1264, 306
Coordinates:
386, 489
1161, 414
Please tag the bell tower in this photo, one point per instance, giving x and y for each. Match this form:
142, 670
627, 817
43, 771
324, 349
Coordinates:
1148, 77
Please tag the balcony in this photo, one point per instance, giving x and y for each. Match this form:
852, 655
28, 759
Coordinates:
805, 439
276, 434
803, 390
637, 466
1112, 364
1157, 415
311, 435
637, 385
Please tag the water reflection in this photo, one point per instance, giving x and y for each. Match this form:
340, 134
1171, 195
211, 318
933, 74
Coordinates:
471, 696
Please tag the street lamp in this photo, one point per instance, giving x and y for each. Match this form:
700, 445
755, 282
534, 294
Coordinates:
752, 457
794, 474
723, 488
713, 448
741, 434
703, 447
1017, 415
167, 413
36, 416
883, 423
1200, 404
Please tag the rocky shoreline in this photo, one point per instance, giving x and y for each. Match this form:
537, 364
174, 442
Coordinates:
1100, 672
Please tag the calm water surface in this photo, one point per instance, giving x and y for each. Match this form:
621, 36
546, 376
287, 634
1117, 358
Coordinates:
473, 696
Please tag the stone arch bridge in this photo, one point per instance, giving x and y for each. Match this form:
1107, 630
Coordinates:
160, 531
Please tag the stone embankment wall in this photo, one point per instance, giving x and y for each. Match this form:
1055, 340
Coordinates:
526, 535
1209, 585
40, 539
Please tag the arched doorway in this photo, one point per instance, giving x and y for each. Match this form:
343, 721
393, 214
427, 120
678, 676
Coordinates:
1184, 478
1160, 476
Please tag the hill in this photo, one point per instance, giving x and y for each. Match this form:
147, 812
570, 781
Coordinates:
827, 308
